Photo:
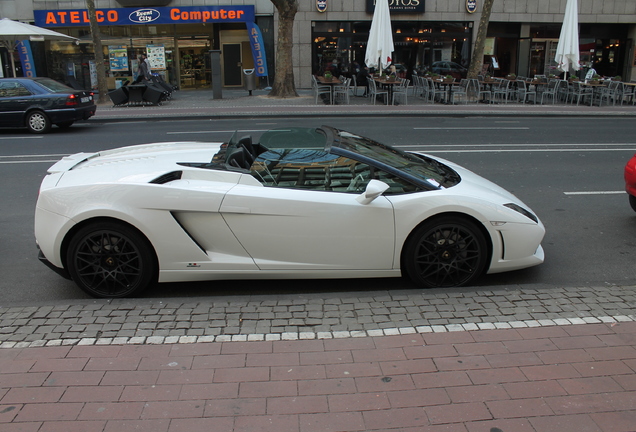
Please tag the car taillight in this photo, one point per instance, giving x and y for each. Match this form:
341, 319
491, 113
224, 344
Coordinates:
72, 100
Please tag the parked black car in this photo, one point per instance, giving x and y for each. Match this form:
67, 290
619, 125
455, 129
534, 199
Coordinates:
37, 103
456, 70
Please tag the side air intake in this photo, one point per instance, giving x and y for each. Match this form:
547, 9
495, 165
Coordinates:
168, 177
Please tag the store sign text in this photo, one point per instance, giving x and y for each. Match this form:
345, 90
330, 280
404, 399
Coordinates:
144, 16
400, 6
159, 15
258, 49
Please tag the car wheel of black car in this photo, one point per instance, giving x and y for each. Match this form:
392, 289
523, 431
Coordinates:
110, 260
632, 202
445, 252
38, 122
64, 125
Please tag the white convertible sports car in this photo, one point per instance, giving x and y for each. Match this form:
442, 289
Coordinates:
300, 203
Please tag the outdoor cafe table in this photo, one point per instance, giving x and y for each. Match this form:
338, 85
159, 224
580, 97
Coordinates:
488, 84
388, 84
448, 88
331, 83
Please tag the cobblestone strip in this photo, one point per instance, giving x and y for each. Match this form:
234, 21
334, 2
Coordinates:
143, 321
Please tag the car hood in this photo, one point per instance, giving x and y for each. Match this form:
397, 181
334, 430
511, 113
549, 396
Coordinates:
134, 164
474, 185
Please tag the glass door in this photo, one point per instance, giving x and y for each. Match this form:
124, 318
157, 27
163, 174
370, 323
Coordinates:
194, 67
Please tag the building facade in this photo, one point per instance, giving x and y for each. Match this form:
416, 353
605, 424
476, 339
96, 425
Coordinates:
429, 35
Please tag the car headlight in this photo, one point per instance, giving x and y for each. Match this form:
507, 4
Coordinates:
521, 210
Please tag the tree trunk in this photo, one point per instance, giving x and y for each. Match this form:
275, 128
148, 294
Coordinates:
477, 60
102, 85
284, 81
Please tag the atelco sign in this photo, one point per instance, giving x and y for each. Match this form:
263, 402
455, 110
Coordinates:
400, 6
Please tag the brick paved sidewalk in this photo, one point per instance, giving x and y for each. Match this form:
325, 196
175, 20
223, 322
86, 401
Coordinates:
565, 378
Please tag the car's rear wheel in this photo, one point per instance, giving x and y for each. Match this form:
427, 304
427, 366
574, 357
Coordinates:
64, 125
111, 260
632, 202
446, 252
38, 122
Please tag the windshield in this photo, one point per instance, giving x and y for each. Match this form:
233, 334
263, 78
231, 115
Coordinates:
417, 166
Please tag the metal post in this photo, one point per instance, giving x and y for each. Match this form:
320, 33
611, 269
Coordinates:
215, 65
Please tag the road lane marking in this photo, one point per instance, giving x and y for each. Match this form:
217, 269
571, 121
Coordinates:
583, 150
32, 161
213, 131
595, 193
473, 128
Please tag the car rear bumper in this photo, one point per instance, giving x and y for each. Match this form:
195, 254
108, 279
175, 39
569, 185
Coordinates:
71, 114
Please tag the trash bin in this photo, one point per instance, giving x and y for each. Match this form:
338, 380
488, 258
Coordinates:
250, 80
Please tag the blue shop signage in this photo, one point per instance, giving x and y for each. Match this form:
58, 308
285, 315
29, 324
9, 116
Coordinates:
471, 6
146, 15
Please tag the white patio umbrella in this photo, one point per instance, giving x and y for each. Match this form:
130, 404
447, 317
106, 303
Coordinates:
12, 31
380, 44
567, 53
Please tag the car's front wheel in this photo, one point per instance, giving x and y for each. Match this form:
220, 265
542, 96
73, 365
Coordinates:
632, 202
445, 252
110, 260
37, 122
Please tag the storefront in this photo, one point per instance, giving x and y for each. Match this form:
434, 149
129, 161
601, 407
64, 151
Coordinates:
177, 41
419, 46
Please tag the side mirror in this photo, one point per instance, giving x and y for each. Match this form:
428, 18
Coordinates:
374, 189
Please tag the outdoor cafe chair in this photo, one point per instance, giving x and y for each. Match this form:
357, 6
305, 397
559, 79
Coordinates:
425, 89
353, 86
627, 94
551, 91
500, 90
611, 92
580, 91
478, 92
460, 91
320, 90
434, 89
524, 92
374, 92
513, 90
341, 91
418, 85
563, 90
401, 90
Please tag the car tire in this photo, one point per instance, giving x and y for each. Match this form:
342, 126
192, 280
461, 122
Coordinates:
632, 202
64, 125
111, 260
37, 122
445, 252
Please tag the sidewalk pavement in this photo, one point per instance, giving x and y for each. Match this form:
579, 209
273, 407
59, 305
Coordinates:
237, 103
389, 359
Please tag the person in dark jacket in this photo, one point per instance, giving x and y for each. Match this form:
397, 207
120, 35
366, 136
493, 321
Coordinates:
143, 72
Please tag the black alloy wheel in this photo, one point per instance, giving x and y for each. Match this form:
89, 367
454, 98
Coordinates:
111, 260
446, 252
37, 122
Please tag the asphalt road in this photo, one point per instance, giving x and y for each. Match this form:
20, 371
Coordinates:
568, 170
